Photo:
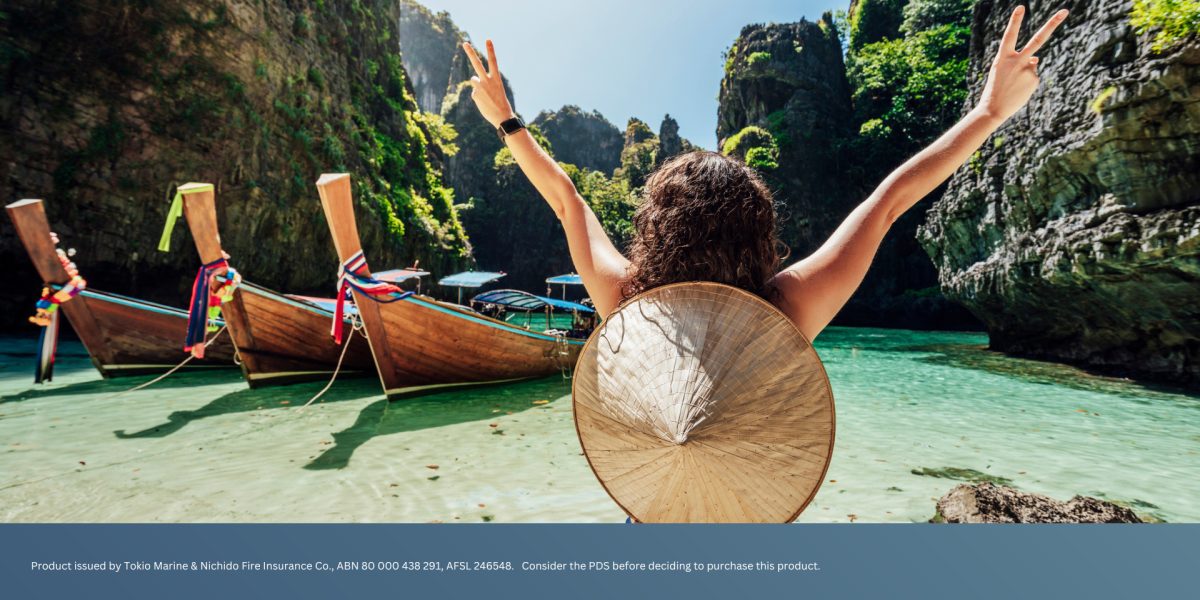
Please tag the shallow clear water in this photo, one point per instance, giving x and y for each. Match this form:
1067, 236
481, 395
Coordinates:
917, 413
537, 321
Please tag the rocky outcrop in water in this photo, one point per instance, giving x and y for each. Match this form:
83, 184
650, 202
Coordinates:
586, 140
989, 503
106, 106
1074, 233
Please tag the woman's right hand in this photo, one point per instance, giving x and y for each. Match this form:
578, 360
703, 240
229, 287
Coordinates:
489, 93
1013, 77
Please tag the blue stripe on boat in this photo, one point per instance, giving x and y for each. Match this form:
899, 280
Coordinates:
462, 315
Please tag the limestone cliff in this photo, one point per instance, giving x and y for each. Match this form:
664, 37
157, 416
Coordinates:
512, 228
643, 152
670, 144
105, 106
1074, 234
429, 42
586, 140
785, 92
785, 109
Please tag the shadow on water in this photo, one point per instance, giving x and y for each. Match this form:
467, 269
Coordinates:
968, 475
100, 387
1147, 511
18, 353
251, 400
450, 408
979, 358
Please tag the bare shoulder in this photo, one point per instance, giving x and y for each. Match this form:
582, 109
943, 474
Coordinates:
790, 301
606, 287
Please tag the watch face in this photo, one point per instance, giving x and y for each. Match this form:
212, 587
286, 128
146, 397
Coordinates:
510, 127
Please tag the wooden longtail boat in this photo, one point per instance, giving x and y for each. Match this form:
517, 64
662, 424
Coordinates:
123, 336
280, 339
422, 345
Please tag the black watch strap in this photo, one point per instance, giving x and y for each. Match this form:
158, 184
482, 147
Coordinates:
509, 127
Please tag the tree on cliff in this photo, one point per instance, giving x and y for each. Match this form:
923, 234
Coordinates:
907, 88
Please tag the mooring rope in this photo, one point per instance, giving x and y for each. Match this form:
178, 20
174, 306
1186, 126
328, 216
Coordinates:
164, 375
355, 325
562, 348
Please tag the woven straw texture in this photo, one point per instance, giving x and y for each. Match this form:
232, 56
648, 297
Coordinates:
702, 403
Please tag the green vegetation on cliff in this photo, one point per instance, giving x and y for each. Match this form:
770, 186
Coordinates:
611, 199
754, 145
909, 90
1174, 20
823, 127
873, 21
105, 105
639, 157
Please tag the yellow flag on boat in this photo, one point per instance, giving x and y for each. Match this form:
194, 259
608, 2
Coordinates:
176, 210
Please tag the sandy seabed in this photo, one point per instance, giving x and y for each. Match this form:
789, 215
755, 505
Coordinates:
917, 413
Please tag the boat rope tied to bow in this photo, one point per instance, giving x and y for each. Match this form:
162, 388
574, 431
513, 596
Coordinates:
214, 286
354, 274
46, 314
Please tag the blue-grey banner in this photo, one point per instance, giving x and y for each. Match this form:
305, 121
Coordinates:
612, 562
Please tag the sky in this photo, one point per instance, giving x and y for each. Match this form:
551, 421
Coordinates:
624, 58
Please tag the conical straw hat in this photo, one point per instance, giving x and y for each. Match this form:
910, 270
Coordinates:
700, 402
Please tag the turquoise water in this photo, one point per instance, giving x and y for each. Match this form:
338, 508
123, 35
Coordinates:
537, 321
917, 413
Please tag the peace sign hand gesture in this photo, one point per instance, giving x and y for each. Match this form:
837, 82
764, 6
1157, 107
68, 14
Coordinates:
1013, 77
489, 93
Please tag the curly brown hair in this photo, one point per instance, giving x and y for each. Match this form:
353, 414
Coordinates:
705, 217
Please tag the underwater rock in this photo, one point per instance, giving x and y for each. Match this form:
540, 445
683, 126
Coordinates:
988, 503
586, 140
1074, 233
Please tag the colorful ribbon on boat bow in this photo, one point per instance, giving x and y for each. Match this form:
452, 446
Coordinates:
46, 315
209, 292
349, 276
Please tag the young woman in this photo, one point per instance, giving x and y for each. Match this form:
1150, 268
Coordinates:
707, 217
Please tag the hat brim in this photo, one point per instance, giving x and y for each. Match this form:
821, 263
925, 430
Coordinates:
700, 402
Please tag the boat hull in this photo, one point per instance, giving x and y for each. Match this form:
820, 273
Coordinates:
122, 335
421, 345
284, 340
144, 338
433, 347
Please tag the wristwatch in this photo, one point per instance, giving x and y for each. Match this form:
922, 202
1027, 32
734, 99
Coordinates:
509, 127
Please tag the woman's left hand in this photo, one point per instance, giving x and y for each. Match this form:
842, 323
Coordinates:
489, 93
1013, 77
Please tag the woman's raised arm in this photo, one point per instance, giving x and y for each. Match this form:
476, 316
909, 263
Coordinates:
815, 289
597, 261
